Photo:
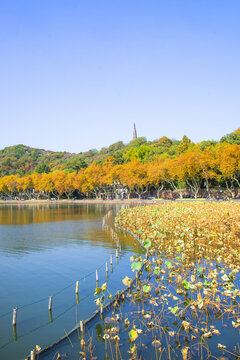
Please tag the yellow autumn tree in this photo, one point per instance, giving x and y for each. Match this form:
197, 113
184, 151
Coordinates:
69, 184
192, 170
10, 185
46, 185
207, 162
156, 174
175, 175
36, 179
26, 185
107, 178
79, 180
3, 186
93, 180
58, 178
228, 163
134, 176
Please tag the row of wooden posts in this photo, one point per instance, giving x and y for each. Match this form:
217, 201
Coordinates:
114, 236
50, 301
32, 354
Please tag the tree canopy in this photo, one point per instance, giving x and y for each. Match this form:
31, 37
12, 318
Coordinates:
21, 160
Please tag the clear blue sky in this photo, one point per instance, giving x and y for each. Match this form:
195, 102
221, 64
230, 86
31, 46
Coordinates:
76, 75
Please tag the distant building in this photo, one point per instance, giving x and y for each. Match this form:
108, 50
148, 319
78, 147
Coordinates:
134, 133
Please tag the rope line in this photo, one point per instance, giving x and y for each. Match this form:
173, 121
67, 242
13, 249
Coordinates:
9, 312
54, 294
47, 323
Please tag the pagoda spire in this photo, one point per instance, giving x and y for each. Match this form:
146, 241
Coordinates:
134, 132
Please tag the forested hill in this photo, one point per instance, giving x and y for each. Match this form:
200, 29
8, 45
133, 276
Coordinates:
21, 159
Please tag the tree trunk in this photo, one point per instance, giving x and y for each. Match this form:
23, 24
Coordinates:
159, 189
230, 189
175, 188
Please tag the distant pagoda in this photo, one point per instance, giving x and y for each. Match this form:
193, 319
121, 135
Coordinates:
134, 132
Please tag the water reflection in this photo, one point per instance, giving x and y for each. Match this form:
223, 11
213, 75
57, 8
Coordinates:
47, 248
20, 214
26, 229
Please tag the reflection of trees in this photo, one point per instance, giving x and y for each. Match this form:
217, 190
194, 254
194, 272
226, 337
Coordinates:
39, 213
87, 221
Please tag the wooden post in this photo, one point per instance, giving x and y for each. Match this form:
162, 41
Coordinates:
106, 271
14, 319
81, 326
77, 286
15, 338
50, 303
117, 256
32, 355
97, 276
111, 263
50, 316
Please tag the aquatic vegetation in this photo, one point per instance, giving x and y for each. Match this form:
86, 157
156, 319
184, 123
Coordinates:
183, 300
187, 293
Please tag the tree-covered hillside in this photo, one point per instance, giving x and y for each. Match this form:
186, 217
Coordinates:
21, 160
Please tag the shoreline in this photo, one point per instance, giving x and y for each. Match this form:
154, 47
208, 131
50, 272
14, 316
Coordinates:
94, 201
108, 202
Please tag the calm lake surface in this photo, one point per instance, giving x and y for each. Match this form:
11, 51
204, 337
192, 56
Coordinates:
44, 250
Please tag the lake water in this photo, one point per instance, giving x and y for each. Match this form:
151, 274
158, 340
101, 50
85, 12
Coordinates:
45, 249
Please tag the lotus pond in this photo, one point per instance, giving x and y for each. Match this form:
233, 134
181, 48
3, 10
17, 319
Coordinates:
188, 296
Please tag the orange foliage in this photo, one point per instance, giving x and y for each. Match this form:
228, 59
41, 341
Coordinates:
193, 169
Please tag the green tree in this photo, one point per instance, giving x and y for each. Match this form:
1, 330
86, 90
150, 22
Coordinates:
138, 142
116, 146
142, 153
164, 141
184, 144
75, 163
232, 138
42, 168
206, 143
118, 157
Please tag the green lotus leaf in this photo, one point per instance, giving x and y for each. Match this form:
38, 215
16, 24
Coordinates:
168, 264
147, 243
146, 288
97, 291
136, 266
133, 335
